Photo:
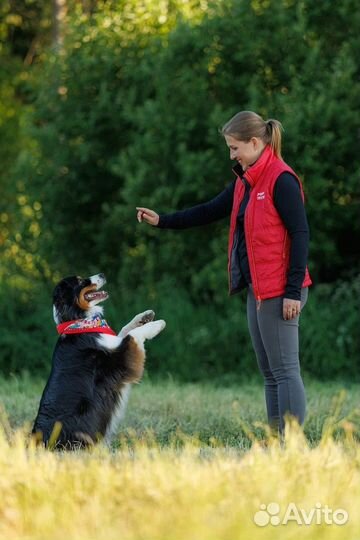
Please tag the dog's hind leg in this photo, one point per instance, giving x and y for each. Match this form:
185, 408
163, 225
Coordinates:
138, 320
118, 412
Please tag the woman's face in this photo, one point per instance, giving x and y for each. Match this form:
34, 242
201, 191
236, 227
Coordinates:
245, 153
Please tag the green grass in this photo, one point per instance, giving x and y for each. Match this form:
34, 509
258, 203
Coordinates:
226, 415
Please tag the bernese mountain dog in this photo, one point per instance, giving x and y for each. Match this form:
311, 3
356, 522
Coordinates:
92, 367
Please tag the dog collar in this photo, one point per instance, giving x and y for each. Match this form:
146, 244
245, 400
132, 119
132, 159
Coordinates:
82, 326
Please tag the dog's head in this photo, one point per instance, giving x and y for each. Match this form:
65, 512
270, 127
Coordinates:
77, 298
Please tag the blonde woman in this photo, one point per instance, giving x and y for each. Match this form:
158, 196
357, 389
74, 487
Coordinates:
267, 253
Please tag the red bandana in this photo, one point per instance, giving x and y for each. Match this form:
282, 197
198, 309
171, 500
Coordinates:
82, 326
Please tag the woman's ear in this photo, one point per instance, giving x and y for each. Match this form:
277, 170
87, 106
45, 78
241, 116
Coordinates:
258, 144
255, 142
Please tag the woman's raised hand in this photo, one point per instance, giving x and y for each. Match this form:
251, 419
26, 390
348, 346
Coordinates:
147, 215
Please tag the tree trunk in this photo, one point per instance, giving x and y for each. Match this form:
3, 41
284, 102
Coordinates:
59, 14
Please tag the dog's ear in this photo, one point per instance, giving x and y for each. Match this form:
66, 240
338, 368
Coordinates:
65, 297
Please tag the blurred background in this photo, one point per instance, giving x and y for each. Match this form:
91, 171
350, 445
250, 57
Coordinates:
108, 105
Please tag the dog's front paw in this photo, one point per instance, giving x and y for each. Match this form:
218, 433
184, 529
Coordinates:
157, 327
145, 317
138, 321
162, 324
148, 330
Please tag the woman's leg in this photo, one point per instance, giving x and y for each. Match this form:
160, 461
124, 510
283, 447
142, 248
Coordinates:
280, 340
271, 387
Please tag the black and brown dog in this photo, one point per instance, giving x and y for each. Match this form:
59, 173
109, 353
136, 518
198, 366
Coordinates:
92, 367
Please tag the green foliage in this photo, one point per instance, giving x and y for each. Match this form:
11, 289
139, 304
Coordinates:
201, 341
122, 121
28, 336
127, 114
25, 27
330, 330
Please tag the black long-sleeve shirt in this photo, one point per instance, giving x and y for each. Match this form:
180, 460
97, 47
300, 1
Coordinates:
289, 204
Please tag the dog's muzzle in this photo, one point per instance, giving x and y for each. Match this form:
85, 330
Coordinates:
91, 294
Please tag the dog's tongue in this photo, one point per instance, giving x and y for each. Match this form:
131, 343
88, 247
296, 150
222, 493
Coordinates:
95, 295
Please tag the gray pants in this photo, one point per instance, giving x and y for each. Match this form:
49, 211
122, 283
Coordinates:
276, 345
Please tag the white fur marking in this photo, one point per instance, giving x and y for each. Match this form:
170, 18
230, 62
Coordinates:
98, 280
118, 413
56, 316
108, 342
94, 310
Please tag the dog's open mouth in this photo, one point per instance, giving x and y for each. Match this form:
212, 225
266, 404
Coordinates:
90, 296
98, 296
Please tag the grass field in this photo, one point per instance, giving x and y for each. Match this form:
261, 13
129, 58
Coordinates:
190, 463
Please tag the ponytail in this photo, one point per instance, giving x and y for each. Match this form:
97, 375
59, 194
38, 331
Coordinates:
273, 131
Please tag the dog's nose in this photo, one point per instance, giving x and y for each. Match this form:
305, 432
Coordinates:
98, 279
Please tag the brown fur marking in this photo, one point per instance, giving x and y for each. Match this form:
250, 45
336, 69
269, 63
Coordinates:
82, 303
135, 359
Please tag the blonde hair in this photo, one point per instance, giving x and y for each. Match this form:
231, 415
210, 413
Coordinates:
247, 124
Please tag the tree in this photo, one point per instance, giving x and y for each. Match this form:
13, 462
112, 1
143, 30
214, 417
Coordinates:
59, 15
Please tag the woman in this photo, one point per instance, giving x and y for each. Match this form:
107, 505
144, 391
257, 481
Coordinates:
267, 253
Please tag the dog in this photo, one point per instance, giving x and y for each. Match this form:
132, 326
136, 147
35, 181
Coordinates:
92, 367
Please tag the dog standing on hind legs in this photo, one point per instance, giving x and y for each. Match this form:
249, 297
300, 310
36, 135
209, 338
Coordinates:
92, 367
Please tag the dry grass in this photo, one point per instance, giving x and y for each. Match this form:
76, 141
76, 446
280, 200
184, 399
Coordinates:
182, 491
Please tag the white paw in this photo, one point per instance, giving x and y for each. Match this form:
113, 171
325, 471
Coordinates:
145, 317
158, 326
148, 330
139, 320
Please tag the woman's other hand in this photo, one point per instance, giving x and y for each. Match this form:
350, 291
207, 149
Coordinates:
147, 215
291, 308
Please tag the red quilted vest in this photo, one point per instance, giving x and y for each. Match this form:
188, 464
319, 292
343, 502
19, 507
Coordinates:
267, 240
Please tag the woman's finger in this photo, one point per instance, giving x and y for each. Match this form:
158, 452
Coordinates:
290, 313
142, 213
147, 215
145, 210
291, 308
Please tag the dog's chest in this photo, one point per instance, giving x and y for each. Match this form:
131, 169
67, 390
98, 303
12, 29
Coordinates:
118, 412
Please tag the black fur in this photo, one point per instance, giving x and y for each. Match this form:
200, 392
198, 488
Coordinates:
65, 296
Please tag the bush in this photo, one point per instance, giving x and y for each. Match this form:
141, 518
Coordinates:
29, 334
330, 330
201, 341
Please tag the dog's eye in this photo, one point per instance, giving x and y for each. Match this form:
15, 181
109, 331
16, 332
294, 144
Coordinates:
81, 281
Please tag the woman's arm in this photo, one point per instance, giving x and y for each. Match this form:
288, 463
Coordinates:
201, 214
289, 203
